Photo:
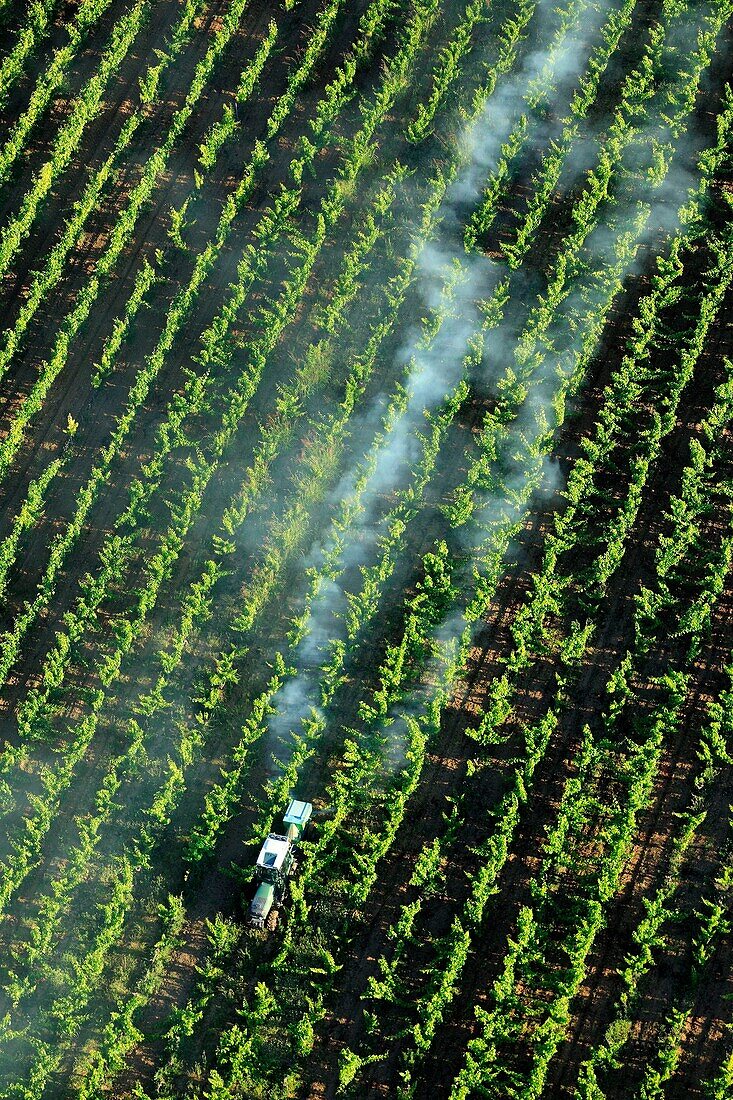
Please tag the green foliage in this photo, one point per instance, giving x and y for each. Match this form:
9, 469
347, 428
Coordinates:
261, 1051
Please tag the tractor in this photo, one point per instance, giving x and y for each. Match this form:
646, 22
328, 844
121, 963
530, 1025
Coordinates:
275, 863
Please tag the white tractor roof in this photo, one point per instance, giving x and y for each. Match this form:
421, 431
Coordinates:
273, 852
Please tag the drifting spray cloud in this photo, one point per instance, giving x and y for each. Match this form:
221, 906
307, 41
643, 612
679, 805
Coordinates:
550, 75
450, 284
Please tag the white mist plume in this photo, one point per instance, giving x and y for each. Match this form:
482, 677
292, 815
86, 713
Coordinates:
451, 284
